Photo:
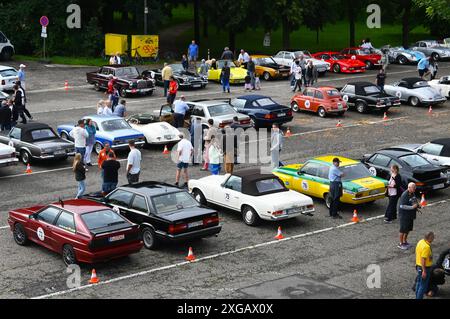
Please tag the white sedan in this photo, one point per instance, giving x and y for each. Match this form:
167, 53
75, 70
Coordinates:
286, 57
255, 195
8, 77
442, 85
7, 156
155, 132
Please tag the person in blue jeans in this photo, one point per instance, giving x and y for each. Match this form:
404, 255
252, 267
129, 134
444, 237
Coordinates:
225, 77
110, 169
80, 174
424, 263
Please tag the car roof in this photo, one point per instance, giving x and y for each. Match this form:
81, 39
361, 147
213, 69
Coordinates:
252, 174
151, 188
442, 141
412, 80
5, 67
253, 97
210, 102
362, 83
101, 118
116, 66
32, 126
258, 56
328, 159
407, 147
80, 206
395, 152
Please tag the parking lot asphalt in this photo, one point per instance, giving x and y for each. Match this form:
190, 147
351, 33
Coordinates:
321, 257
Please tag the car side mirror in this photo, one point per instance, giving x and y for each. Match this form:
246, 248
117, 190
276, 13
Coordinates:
300, 172
32, 216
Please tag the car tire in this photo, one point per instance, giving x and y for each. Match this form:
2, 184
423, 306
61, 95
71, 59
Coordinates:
327, 199
250, 217
25, 157
68, 255
322, 112
435, 56
150, 93
414, 101
97, 87
20, 236
361, 107
199, 197
7, 54
123, 92
98, 148
341, 113
337, 68
266, 76
295, 107
402, 60
369, 65
149, 238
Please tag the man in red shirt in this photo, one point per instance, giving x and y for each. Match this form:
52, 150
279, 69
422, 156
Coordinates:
111, 83
173, 89
103, 155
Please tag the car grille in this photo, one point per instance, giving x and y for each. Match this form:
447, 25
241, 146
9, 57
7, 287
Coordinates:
142, 85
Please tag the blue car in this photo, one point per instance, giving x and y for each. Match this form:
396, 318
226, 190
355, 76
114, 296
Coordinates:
112, 129
263, 111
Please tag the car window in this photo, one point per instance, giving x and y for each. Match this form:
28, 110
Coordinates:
128, 72
279, 55
269, 185
174, 201
415, 160
234, 183
326, 57
265, 102
120, 198
380, 160
309, 92
139, 204
66, 221
42, 134
319, 95
333, 93
48, 215
353, 172
220, 109
403, 84
198, 111
394, 162
105, 71
113, 125
166, 109
102, 219
350, 89
433, 149
371, 89
311, 169
238, 103
3, 38
323, 171
8, 73
15, 133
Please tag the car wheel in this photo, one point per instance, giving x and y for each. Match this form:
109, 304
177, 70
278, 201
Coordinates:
25, 157
250, 216
149, 238
123, 92
7, 54
327, 199
322, 113
402, 60
20, 236
361, 107
435, 56
68, 255
97, 87
65, 136
150, 93
295, 107
98, 148
341, 113
336, 68
414, 101
266, 76
199, 197
369, 65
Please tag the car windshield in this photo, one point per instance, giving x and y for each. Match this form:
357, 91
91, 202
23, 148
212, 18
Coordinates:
333, 93
42, 134
220, 109
266, 101
414, 160
357, 171
177, 67
221, 64
420, 84
338, 57
172, 202
102, 219
306, 54
269, 185
8, 73
129, 71
114, 125
265, 61
372, 89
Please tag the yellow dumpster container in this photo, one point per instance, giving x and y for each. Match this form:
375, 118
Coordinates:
146, 45
116, 43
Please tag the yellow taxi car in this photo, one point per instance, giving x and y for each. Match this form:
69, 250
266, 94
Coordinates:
268, 69
237, 74
311, 178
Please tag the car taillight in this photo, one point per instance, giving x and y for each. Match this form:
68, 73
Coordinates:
173, 229
420, 184
269, 116
278, 213
210, 220
244, 122
289, 113
310, 207
223, 124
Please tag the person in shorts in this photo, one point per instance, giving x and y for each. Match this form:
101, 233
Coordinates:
185, 151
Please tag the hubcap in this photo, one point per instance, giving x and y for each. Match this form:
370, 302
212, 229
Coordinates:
360, 108
266, 76
336, 68
322, 112
414, 101
19, 234
25, 157
148, 238
249, 216
295, 107
68, 256
98, 148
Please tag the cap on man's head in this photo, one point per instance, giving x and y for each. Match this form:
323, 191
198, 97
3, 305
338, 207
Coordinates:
22, 66
336, 160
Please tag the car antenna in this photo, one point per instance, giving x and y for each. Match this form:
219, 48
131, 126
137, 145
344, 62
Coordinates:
61, 202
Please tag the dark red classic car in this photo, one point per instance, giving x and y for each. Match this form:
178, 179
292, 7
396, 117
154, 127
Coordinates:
83, 231
127, 79
370, 57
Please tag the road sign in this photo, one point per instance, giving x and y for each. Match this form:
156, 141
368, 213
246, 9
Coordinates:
44, 21
44, 32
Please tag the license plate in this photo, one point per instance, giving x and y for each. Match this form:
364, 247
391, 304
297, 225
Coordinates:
281, 114
389, 103
116, 238
340, 107
60, 153
196, 224
197, 85
438, 186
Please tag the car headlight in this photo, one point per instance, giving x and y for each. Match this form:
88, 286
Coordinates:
346, 191
186, 79
363, 189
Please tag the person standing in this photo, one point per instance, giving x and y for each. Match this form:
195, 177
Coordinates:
393, 193
185, 151
243, 58
303, 64
110, 169
204, 69
166, 74
434, 66
210, 132
80, 135
248, 82
276, 145
225, 77
297, 71
311, 74
251, 68
229, 148
180, 109
215, 156
121, 109
257, 83
100, 107
185, 62
227, 54
381, 79
335, 176
134, 164
90, 141
111, 84
173, 90
21, 76
107, 111
18, 107
193, 51
196, 132
103, 155
80, 174
423, 66
407, 211
5, 116
424, 263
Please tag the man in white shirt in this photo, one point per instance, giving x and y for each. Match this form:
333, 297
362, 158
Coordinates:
180, 109
134, 164
244, 58
185, 151
79, 135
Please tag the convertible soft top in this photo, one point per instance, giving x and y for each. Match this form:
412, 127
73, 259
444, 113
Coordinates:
26, 130
249, 179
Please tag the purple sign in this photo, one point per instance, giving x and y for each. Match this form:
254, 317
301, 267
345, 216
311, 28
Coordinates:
44, 21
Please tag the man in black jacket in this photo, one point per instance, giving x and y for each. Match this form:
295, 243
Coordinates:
5, 116
18, 107
407, 211
227, 54
251, 68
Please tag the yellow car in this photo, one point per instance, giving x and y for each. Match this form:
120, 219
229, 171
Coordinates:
311, 178
268, 69
237, 74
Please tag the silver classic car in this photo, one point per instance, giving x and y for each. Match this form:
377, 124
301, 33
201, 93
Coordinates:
415, 91
286, 57
432, 48
401, 55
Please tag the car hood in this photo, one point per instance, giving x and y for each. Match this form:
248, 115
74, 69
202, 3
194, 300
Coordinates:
213, 179
157, 128
56, 144
124, 133
368, 182
6, 149
187, 213
427, 92
351, 63
417, 54
317, 62
274, 66
187, 74
238, 73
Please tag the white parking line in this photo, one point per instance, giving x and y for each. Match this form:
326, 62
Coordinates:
4, 227
227, 253
60, 89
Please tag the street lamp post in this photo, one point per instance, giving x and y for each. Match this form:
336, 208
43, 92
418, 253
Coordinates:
145, 17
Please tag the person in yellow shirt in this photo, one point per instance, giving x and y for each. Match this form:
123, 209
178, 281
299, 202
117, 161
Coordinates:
166, 74
424, 261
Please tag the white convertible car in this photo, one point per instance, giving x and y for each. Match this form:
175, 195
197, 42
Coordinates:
442, 85
155, 132
256, 196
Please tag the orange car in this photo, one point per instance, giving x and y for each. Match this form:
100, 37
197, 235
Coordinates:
320, 100
268, 69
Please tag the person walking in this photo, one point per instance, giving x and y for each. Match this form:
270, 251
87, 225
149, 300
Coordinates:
381, 79
110, 168
180, 109
193, 51
166, 75
276, 145
311, 74
80, 135
393, 192
215, 156
298, 75
204, 69
251, 68
24, 100
173, 90
407, 211
121, 109
18, 107
229, 148
21, 76
225, 77
134, 164
80, 174
434, 66
196, 132
336, 190
185, 151
423, 66
227, 54
90, 141
210, 132
424, 263
185, 62
303, 64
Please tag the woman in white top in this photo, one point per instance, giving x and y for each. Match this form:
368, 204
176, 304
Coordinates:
107, 109
100, 107
394, 191
215, 155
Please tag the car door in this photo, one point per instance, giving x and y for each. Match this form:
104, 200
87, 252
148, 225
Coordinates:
308, 181
231, 194
317, 101
14, 138
64, 230
103, 77
140, 210
379, 165
166, 114
120, 201
308, 99
349, 94
198, 112
41, 226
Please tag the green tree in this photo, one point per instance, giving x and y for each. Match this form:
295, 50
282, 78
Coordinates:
318, 13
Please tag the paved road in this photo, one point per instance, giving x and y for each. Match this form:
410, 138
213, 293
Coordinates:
320, 258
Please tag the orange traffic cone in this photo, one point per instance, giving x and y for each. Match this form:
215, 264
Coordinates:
190, 256
66, 86
430, 110
423, 201
279, 234
94, 279
385, 117
288, 132
339, 124
355, 218
29, 171
166, 151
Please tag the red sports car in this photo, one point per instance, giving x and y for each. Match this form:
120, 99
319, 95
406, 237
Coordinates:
370, 57
341, 64
83, 231
321, 100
